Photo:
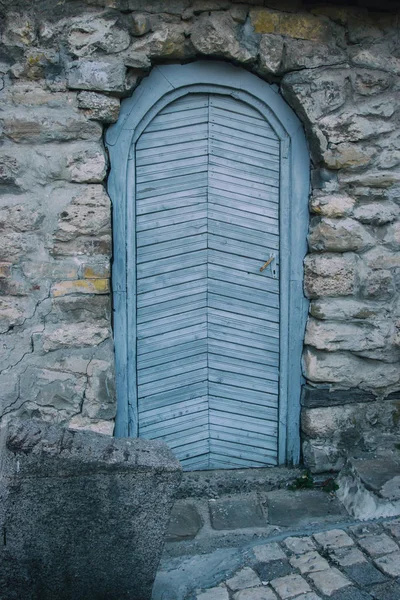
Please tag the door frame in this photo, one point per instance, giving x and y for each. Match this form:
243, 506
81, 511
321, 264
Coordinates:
165, 84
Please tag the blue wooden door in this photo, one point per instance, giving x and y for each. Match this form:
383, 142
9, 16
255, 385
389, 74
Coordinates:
207, 219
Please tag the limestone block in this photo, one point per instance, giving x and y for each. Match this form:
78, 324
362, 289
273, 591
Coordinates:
9, 169
80, 308
83, 423
348, 156
20, 217
317, 93
99, 107
245, 578
335, 335
86, 166
299, 25
339, 235
376, 213
81, 286
216, 35
325, 422
136, 60
138, 24
19, 30
89, 213
368, 82
102, 74
89, 33
382, 105
330, 581
239, 12
167, 42
41, 125
375, 60
382, 258
74, 335
332, 205
377, 284
270, 54
330, 275
100, 402
321, 456
348, 370
389, 158
351, 127
343, 309
107, 489
302, 54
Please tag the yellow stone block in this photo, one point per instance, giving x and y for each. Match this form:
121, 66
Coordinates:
81, 286
96, 271
302, 26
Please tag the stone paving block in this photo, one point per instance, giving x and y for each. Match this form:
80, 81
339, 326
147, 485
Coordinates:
290, 586
245, 578
350, 593
335, 538
216, 593
386, 591
299, 545
390, 564
311, 596
364, 574
268, 552
329, 581
366, 529
185, 522
393, 528
260, 593
378, 544
236, 513
309, 562
273, 569
302, 508
345, 557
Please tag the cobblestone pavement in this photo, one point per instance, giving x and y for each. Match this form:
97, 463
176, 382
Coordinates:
361, 562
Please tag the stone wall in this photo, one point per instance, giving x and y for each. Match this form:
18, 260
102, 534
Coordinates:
65, 67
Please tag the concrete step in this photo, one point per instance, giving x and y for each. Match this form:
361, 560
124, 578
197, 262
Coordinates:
212, 484
369, 486
202, 525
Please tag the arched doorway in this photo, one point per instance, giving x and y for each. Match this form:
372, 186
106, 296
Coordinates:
209, 182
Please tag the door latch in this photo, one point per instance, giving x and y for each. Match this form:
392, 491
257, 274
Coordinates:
267, 263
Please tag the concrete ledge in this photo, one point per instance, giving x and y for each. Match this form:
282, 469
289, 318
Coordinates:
83, 515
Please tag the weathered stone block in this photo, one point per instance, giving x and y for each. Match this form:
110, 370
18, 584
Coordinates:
270, 54
81, 286
89, 33
102, 74
348, 370
74, 335
339, 235
312, 397
68, 497
348, 156
302, 25
332, 206
303, 54
368, 82
169, 42
330, 275
376, 213
138, 24
336, 335
99, 107
217, 35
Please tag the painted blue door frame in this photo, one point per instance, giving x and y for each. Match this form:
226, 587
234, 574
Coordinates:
164, 86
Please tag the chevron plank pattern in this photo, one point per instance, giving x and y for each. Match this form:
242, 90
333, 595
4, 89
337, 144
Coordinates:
207, 201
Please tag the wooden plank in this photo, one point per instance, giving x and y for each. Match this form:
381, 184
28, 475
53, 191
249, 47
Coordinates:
176, 306
187, 364
243, 323
177, 121
157, 357
187, 102
168, 324
237, 290
246, 338
237, 232
248, 265
252, 156
257, 428
180, 276
242, 140
173, 184
231, 366
240, 407
263, 208
172, 293
229, 448
172, 383
251, 280
170, 339
178, 409
233, 164
249, 382
158, 140
165, 399
175, 167
243, 124
244, 308
165, 265
256, 355
169, 153
172, 232
232, 105
177, 424
190, 243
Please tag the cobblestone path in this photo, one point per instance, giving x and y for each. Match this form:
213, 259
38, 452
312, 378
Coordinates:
355, 563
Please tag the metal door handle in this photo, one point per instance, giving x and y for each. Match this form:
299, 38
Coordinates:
268, 262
